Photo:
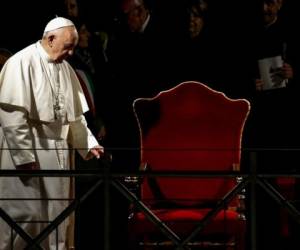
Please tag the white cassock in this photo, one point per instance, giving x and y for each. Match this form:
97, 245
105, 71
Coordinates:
41, 114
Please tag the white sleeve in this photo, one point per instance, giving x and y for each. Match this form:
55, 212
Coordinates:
17, 135
81, 137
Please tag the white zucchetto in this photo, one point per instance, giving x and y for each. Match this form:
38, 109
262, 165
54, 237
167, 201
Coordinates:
58, 22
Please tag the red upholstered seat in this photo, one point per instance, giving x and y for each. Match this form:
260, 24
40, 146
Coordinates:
190, 128
187, 219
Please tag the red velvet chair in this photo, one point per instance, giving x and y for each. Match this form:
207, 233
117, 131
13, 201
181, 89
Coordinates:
186, 129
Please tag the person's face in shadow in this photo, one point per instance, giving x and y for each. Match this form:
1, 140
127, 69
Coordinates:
196, 22
136, 18
84, 36
3, 59
271, 9
72, 8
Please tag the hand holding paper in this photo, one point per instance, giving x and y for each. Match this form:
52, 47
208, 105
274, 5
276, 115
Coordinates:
271, 72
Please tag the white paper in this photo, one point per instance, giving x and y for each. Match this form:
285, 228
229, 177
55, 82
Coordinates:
270, 72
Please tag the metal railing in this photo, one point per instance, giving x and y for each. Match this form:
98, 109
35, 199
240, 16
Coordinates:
250, 179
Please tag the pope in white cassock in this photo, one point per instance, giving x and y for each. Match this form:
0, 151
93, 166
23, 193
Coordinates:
41, 114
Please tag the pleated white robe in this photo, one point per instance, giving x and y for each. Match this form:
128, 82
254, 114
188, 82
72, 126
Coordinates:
30, 131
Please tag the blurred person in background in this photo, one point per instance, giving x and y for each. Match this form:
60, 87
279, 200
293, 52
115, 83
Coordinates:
4, 55
90, 212
275, 130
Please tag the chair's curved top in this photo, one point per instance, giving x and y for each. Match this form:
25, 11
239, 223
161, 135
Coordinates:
191, 127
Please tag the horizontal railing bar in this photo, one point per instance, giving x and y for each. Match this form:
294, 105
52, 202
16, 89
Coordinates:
36, 199
99, 173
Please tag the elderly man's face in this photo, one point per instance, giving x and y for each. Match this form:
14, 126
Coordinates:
63, 43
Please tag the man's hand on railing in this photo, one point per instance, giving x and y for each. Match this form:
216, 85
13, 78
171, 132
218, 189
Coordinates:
97, 152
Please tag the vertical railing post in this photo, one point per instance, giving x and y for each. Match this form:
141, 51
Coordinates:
106, 219
252, 200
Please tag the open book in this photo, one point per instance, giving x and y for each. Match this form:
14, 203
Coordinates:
270, 72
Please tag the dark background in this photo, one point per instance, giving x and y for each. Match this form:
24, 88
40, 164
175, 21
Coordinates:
22, 22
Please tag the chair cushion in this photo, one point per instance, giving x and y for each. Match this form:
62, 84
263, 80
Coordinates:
185, 220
